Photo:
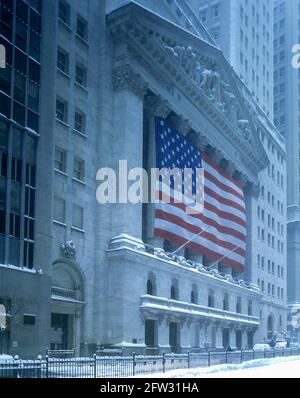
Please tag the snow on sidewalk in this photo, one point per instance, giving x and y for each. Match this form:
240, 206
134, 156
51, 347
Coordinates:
288, 367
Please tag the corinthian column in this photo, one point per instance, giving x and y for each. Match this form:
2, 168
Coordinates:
129, 92
155, 106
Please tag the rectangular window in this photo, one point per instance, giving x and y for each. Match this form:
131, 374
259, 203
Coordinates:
62, 61
216, 11
19, 113
28, 254
2, 221
81, 75
64, 12
60, 159
203, 16
19, 88
82, 28
14, 227
16, 169
77, 218
28, 228
59, 210
33, 121
34, 71
21, 35
6, 22
5, 80
35, 18
29, 201
34, 48
3, 164
21, 11
80, 120
78, 169
33, 96
61, 110
29, 320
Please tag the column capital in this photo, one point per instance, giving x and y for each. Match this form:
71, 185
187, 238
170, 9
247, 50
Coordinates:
252, 189
157, 106
124, 77
181, 124
216, 323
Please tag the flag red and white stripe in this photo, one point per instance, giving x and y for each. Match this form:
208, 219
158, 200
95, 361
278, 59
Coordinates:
221, 227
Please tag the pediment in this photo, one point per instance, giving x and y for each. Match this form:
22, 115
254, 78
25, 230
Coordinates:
178, 12
200, 70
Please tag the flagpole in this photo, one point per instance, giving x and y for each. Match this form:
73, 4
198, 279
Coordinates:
182, 246
226, 255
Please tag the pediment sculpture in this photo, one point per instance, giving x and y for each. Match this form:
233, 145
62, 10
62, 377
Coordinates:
208, 78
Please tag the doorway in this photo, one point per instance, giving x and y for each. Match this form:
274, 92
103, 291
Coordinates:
67, 307
250, 339
174, 337
270, 327
225, 338
151, 333
238, 339
62, 332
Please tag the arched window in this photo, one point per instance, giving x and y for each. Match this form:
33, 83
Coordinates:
225, 302
211, 298
151, 284
174, 290
149, 287
173, 293
194, 295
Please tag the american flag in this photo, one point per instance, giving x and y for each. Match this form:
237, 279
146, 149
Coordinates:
219, 230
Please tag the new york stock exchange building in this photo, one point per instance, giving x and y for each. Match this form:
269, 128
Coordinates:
156, 301
136, 277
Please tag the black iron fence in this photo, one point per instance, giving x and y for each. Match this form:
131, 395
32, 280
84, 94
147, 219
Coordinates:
128, 366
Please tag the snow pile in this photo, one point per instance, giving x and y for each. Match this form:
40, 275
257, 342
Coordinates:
272, 367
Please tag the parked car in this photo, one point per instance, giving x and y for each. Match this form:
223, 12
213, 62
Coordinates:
281, 344
261, 347
6, 358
